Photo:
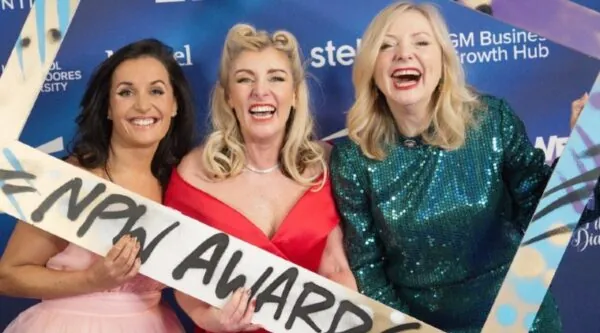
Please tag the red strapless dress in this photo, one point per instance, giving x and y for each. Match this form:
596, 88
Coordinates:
301, 237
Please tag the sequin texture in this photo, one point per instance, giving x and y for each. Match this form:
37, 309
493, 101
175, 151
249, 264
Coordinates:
432, 233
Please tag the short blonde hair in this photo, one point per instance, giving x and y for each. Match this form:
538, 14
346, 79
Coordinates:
224, 155
370, 122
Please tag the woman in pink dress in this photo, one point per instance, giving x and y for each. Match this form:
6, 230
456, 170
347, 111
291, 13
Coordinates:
136, 123
259, 176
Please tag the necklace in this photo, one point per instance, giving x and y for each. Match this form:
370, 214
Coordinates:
262, 171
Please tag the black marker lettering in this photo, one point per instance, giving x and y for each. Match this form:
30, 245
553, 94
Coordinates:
261, 280
347, 306
13, 174
224, 286
404, 328
75, 207
133, 212
10, 189
141, 234
267, 296
220, 242
302, 311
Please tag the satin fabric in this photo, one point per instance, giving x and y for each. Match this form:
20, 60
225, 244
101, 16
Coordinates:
300, 239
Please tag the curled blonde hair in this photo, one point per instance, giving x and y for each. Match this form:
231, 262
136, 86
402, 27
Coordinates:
224, 154
370, 122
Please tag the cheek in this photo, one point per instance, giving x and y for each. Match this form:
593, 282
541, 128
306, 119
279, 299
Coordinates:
234, 102
380, 71
435, 64
166, 124
237, 97
118, 107
286, 98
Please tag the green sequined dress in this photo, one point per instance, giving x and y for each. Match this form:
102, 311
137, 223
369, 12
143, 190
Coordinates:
431, 232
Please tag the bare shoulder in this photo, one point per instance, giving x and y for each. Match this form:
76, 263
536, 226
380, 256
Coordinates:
74, 161
191, 168
190, 161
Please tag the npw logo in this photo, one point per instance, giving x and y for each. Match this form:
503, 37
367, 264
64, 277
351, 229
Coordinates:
16, 4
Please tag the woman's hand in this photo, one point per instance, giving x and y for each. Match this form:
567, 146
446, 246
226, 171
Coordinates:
120, 265
236, 315
577, 107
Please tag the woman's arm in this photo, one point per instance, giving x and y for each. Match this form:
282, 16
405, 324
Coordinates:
23, 272
334, 264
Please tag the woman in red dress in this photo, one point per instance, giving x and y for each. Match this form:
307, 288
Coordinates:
259, 176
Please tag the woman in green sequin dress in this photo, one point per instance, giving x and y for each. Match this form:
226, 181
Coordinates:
436, 184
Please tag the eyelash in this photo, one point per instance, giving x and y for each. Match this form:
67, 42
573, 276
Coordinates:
385, 46
388, 45
273, 78
128, 92
124, 93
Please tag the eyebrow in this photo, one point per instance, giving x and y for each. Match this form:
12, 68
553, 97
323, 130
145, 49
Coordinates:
422, 33
127, 83
270, 71
413, 35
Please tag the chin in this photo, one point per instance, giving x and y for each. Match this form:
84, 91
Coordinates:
405, 100
264, 136
147, 142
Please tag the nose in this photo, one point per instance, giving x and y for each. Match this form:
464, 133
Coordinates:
260, 89
142, 102
404, 51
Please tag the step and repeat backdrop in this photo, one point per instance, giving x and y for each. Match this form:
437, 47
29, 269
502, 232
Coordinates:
538, 77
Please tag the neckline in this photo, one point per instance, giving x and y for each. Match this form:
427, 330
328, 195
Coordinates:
412, 142
248, 221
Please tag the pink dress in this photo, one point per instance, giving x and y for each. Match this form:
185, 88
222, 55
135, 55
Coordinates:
133, 307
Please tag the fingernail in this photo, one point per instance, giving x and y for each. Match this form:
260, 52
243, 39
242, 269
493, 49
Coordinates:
254, 302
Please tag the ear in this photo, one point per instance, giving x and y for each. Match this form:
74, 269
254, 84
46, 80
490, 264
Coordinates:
109, 114
175, 108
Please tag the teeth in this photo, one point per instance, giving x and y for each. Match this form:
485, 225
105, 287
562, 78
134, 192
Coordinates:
143, 121
262, 115
406, 72
264, 108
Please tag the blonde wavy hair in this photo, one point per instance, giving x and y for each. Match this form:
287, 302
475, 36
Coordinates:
224, 153
370, 122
